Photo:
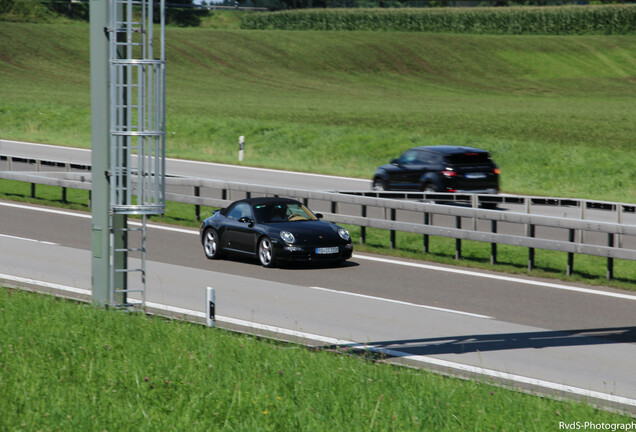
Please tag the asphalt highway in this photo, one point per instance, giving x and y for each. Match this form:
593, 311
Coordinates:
561, 337
178, 167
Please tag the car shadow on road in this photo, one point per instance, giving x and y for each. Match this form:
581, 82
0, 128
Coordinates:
293, 265
317, 265
503, 341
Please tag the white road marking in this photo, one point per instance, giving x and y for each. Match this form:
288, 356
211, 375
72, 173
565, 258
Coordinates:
424, 360
29, 281
28, 239
402, 303
374, 258
88, 216
498, 277
46, 210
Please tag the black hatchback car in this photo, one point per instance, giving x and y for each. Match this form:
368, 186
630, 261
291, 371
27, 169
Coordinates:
440, 169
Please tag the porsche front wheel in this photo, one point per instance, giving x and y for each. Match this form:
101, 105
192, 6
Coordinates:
266, 252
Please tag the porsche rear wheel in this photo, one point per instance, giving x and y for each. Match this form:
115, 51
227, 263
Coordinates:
211, 246
266, 252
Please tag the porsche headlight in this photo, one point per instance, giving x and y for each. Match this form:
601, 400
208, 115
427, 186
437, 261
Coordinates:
287, 237
344, 234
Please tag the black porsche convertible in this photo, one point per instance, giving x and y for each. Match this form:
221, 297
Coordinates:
274, 229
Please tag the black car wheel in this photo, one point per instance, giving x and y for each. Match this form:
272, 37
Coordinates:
266, 252
379, 184
211, 246
428, 188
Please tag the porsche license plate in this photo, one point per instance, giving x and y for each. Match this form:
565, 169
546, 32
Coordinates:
327, 250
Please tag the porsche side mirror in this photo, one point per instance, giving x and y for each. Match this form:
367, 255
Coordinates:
246, 220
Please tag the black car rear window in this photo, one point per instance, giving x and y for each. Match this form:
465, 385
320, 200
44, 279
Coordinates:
468, 158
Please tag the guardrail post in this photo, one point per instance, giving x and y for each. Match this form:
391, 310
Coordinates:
64, 195
610, 260
32, 190
393, 217
10, 162
583, 205
570, 268
474, 204
493, 246
427, 218
363, 229
619, 220
197, 207
458, 242
530, 250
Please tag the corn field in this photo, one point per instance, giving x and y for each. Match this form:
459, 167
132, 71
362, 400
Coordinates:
546, 20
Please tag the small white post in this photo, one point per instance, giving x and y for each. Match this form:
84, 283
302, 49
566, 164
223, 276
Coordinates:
210, 300
241, 148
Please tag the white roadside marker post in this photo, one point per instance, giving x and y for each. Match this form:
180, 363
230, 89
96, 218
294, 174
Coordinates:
241, 148
210, 300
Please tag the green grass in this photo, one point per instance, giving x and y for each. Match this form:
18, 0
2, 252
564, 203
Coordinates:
556, 112
74, 367
222, 20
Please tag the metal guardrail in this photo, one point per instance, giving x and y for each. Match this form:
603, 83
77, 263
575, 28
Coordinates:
221, 193
38, 163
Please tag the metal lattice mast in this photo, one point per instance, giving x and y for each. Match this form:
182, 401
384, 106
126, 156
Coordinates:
128, 140
137, 117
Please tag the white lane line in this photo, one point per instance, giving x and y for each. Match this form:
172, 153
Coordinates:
29, 281
424, 360
402, 303
88, 216
497, 277
46, 210
378, 259
29, 240
512, 378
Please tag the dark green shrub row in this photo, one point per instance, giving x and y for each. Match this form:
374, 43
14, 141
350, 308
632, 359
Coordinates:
547, 20
24, 11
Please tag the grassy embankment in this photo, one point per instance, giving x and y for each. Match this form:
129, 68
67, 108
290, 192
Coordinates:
556, 112
71, 367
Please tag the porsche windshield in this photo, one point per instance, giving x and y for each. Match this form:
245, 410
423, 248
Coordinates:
282, 212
